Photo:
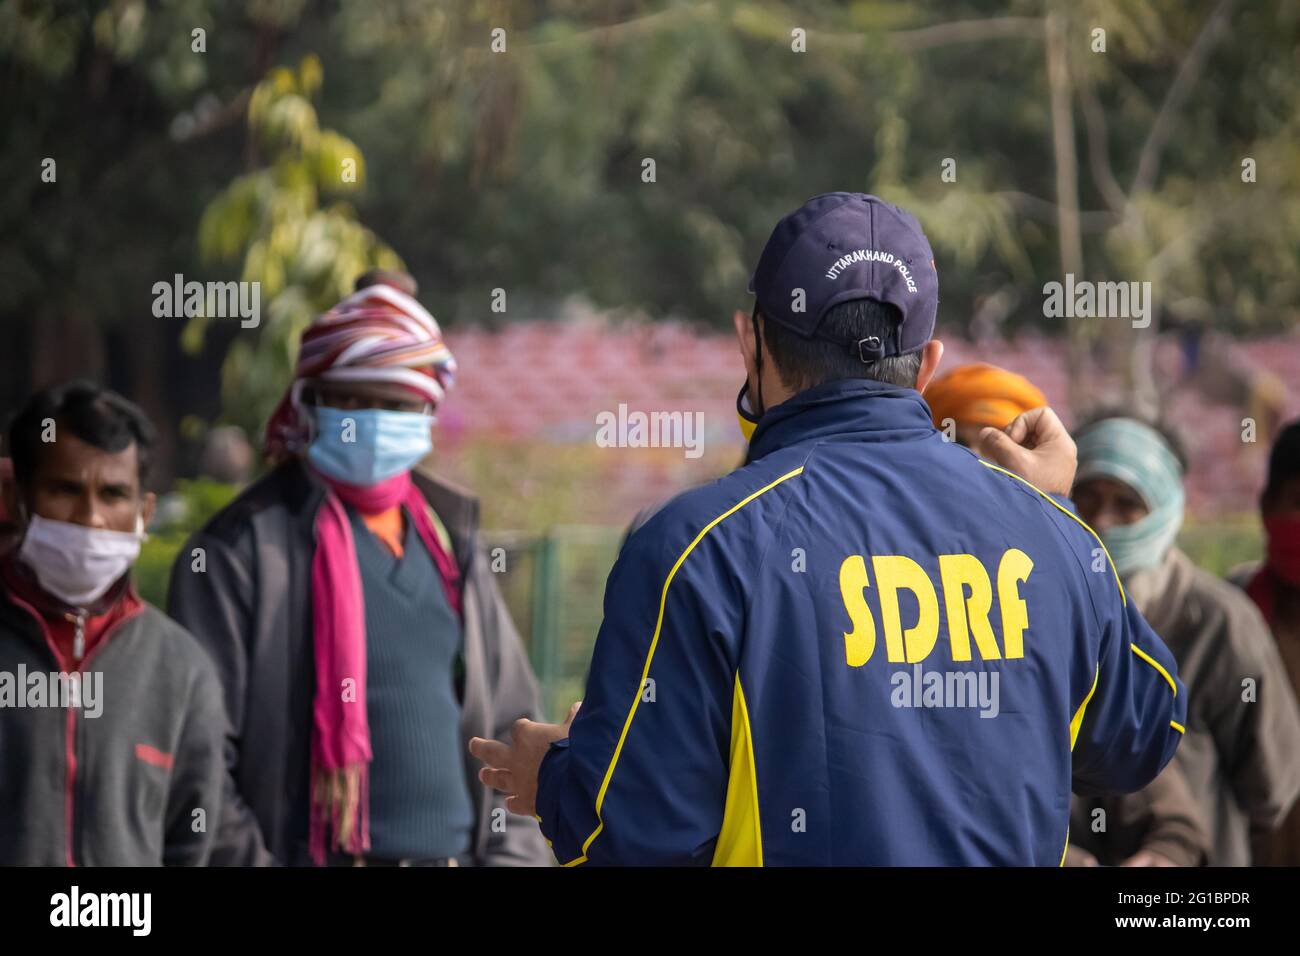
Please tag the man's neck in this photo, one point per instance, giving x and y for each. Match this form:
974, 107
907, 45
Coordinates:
774, 390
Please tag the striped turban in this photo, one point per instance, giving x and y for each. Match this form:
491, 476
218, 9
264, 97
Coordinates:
379, 334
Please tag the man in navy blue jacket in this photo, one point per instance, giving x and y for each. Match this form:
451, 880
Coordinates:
868, 645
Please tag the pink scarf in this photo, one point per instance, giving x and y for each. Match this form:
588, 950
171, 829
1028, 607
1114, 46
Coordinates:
340, 732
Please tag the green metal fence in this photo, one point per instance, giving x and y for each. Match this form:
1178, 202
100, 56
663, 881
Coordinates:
554, 584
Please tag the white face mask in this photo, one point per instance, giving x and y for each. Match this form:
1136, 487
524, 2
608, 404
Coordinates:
75, 563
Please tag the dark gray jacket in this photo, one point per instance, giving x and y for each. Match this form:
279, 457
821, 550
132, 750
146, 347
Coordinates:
118, 781
1239, 754
242, 585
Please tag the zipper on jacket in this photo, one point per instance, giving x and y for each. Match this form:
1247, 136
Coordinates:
70, 733
78, 621
82, 662
78, 653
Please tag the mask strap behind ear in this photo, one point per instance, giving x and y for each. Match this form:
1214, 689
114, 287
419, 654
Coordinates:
306, 413
758, 360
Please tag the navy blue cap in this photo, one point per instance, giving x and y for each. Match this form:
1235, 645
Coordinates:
842, 246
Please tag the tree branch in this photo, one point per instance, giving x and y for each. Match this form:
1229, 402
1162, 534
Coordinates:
907, 41
1188, 72
1103, 176
219, 119
1092, 220
966, 31
633, 27
1063, 147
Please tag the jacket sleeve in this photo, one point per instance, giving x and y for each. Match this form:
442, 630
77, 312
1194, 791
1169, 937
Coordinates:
515, 840
197, 776
1257, 734
1162, 818
213, 601
1130, 721
1172, 822
642, 777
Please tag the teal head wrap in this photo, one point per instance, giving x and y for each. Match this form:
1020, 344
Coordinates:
1137, 455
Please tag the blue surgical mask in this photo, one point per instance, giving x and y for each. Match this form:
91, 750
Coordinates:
369, 445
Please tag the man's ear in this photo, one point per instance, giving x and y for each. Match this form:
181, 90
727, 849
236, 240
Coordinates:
147, 508
745, 340
931, 356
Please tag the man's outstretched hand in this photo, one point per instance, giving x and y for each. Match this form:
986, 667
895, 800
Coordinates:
512, 768
1036, 447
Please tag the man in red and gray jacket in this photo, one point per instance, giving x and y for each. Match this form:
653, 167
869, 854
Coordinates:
111, 719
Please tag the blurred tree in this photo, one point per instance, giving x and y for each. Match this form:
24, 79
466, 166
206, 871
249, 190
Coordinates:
117, 121
535, 152
304, 257
506, 147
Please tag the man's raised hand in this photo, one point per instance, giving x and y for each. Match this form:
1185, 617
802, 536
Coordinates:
512, 768
1036, 447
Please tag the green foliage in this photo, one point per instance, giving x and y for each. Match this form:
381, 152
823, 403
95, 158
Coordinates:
1223, 545
199, 500
547, 139
304, 255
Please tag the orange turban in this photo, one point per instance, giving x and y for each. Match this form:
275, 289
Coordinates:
982, 395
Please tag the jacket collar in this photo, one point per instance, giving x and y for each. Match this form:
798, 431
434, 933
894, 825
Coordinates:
21, 583
860, 407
